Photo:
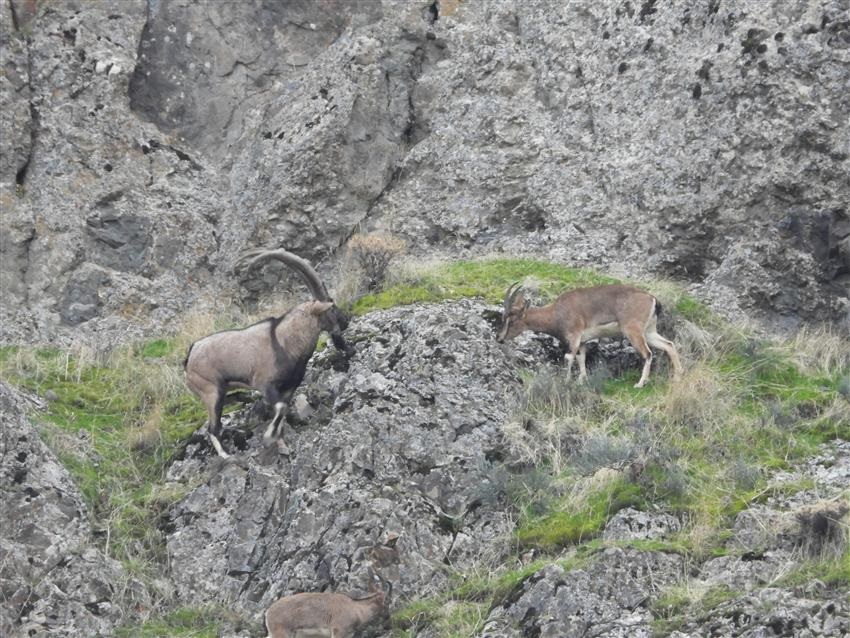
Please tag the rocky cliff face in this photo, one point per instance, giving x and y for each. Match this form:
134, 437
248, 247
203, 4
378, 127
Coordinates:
147, 143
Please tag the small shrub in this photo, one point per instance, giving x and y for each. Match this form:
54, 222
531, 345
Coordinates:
666, 481
601, 450
844, 387
821, 351
672, 602
549, 413
700, 401
366, 258
744, 475
823, 529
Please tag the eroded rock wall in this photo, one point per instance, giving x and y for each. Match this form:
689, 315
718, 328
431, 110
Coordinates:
701, 140
147, 143
104, 216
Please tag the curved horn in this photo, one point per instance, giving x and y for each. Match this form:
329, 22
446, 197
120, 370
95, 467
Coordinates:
251, 258
510, 295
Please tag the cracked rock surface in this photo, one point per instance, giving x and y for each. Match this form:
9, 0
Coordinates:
606, 598
147, 143
52, 579
401, 445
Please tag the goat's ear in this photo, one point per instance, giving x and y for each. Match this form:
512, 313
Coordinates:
525, 307
320, 307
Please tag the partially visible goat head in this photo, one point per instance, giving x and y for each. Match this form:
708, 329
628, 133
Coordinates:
332, 318
269, 356
515, 307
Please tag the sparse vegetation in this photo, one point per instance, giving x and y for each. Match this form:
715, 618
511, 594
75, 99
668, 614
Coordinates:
462, 610
581, 513
363, 268
114, 420
483, 278
186, 622
673, 606
704, 448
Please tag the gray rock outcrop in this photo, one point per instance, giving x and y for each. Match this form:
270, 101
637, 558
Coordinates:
147, 143
53, 581
607, 598
392, 470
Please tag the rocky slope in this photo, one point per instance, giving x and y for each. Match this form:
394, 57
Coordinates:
53, 579
396, 461
147, 143
391, 447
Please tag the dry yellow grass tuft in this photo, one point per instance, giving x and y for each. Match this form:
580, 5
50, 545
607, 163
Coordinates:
150, 434
547, 419
699, 401
824, 350
364, 265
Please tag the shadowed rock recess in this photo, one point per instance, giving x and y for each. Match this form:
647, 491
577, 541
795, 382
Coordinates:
147, 143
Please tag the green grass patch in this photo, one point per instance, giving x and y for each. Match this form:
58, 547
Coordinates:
569, 524
487, 279
114, 421
462, 609
493, 588
157, 348
833, 572
185, 622
416, 613
693, 310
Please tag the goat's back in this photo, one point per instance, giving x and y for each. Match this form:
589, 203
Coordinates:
308, 615
607, 303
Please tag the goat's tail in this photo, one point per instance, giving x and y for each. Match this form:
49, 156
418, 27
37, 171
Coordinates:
658, 308
188, 352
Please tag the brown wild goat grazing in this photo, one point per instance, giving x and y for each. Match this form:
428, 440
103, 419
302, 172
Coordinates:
269, 356
589, 313
324, 614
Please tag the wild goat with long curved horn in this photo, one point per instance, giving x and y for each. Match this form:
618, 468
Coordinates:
589, 313
269, 356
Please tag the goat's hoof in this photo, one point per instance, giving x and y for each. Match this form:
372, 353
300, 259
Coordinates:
218, 447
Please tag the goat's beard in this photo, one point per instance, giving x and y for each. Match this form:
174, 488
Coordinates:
341, 344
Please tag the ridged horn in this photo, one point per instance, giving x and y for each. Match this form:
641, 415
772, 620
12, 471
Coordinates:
256, 256
510, 296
